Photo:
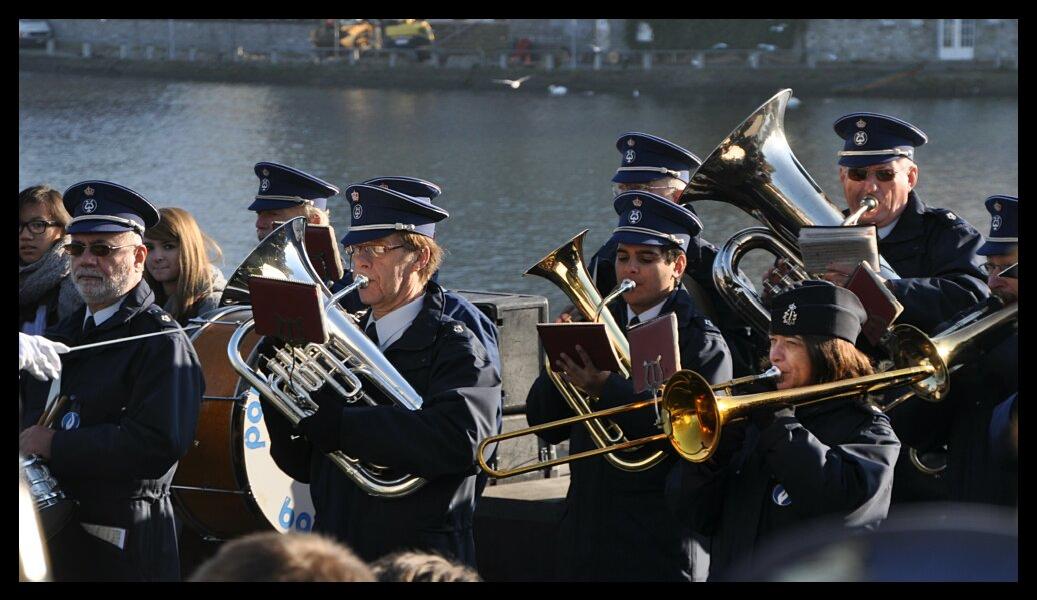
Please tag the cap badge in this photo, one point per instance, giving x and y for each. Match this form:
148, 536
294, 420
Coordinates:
995, 223
89, 191
861, 123
264, 185
997, 206
358, 211
89, 205
630, 142
860, 138
636, 202
629, 158
265, 172
790, 316
635, 216
355, 196
779, 496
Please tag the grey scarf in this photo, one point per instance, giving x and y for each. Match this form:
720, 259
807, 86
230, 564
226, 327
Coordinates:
52, 269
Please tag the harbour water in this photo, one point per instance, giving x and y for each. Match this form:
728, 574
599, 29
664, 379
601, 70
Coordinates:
520, 173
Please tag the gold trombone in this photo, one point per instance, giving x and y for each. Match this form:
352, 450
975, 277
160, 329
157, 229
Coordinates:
694, 414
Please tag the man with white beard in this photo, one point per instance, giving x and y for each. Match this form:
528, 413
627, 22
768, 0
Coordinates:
125, 412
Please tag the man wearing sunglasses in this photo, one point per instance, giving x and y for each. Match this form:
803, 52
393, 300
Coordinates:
933, 250
971, 416
286, 193
652, 164
130, 408
391, 242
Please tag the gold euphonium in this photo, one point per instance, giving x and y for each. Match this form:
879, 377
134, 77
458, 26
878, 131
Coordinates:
349, 363
565, 268
754, 169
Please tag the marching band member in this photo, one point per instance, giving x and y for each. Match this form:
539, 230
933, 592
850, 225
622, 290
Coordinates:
785, 465
286, 193
616, 525
652, 164
964, 419
132, 407
391, 242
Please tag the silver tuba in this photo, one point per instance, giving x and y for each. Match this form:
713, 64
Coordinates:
754, 169
347, 362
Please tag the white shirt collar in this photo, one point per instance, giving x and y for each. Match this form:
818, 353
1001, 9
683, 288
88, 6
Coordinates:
391, 326
884, 230
105, 313
651, 313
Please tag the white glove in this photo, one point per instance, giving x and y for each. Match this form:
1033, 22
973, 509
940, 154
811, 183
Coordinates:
39, 356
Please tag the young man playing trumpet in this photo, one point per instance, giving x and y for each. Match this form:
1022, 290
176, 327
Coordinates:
616, 525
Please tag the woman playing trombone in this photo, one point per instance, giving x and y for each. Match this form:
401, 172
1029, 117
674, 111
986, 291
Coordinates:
616, 526
783, 466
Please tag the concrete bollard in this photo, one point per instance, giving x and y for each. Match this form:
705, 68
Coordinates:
50, 46
502, 61
646, 61
124, 51
192, 54
86, 49
354, 56
149, 52
700, 60
436, 60
549, 62
597, 61
754, 60
392, 59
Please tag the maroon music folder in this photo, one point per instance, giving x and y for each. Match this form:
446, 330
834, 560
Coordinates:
322, 249
654, 341
564, 337
287, 310
881, 305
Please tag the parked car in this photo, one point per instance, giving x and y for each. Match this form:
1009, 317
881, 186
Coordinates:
34, 32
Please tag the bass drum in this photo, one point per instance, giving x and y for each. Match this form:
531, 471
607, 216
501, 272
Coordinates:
228, 485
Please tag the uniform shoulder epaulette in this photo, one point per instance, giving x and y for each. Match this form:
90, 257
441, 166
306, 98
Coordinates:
949, 218
706, 324
160, 316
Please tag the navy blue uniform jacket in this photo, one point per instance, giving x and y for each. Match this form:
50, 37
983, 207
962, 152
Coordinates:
616, 525
447, 365
934, 252
138, 403
834, 457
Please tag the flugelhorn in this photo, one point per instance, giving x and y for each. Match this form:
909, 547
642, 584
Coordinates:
565, 268
725, 388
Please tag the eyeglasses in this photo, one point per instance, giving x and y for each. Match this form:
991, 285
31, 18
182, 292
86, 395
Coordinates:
36, 226
370, 251
97, 248
860, 174
1009, 272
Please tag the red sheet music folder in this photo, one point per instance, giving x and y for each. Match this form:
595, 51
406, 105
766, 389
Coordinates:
881, 305
564, 337
655, 340
322, 249
287, 310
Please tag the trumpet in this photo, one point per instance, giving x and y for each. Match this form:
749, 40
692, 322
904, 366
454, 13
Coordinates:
694, 414
724, 388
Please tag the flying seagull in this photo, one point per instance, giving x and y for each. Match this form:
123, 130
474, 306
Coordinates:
512, 83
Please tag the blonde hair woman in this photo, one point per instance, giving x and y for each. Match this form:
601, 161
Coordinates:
179, 268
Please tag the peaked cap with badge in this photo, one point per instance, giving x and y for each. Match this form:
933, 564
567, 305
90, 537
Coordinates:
281, 186
376, 212
648, 219
874, 139
105, 207
815, 307
646, 157
1004, 225
412, 186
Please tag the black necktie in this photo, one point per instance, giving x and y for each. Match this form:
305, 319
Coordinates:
633, 321
88, 326
372, 332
